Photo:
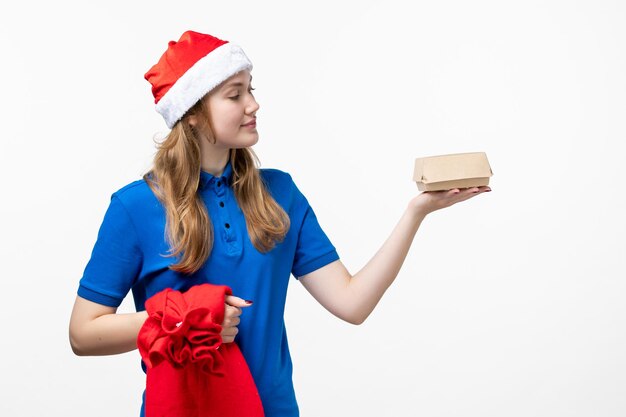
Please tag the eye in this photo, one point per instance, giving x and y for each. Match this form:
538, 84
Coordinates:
236, 97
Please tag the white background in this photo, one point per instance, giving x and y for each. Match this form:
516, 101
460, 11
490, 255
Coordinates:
509, 304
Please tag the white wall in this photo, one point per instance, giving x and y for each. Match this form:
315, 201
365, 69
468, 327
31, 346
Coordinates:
511, 303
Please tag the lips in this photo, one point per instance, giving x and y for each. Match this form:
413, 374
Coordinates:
251, 123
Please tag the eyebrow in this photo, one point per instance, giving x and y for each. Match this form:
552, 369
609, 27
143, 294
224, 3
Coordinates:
236, 84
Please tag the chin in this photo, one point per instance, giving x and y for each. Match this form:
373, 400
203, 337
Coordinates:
245, 145
253, 141
241, 142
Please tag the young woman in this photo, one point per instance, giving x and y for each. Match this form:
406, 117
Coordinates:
205, 213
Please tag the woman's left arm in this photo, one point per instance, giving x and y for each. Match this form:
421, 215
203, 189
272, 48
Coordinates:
353, 298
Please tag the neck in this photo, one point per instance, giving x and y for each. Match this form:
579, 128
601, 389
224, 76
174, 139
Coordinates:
214, 159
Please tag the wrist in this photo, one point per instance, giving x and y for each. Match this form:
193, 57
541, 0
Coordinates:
417, 210
142, 316
413, 217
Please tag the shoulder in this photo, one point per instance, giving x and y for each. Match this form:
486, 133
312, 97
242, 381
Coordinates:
135, 196
275, 177
282, 186
279, 182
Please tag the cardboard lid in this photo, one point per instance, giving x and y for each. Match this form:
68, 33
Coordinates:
452, 167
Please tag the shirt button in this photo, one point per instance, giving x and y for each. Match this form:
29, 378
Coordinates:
221, 204
219, 183
227, 225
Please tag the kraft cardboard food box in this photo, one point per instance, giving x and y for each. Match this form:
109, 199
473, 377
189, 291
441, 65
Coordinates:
445, 172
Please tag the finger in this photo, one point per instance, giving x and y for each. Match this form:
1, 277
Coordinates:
230, 321
231, 311
472, 192
228, 335
229, 331
236, 301
478, 190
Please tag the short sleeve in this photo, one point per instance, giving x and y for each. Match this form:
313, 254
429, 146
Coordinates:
115, 260
313, 249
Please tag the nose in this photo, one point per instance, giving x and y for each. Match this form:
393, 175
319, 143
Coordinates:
252, 106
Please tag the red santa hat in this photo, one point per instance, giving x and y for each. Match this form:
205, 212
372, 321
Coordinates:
189, 69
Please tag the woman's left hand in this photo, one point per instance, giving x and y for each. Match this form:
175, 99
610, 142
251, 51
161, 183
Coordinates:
232, 311
430, 201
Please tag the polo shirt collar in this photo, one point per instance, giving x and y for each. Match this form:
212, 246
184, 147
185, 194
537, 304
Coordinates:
207, 179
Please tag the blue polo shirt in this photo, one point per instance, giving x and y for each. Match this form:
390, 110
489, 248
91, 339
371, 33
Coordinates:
128, 256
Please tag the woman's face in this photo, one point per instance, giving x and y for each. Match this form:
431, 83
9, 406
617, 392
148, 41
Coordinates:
232, 108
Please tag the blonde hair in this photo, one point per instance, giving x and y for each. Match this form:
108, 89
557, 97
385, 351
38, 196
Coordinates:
175, 177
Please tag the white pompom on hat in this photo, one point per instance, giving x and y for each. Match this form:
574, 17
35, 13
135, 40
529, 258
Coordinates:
191, 68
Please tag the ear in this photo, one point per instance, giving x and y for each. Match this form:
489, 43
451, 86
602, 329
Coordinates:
192, 120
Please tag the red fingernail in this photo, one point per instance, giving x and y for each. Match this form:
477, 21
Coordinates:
249, 301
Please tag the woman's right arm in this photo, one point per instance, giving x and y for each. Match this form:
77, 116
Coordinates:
96, 329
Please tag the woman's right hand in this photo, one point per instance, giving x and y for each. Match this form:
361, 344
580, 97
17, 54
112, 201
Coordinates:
232, 311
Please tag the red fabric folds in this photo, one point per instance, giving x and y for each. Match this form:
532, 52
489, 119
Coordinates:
190, 373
